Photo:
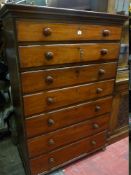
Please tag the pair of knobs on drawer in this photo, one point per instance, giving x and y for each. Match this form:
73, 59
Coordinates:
52, 160
49, 79
48, 31
50, 55
51, 100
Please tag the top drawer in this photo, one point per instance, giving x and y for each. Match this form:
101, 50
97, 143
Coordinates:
44, 31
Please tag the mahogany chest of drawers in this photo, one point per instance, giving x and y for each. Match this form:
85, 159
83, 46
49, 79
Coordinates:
62, 67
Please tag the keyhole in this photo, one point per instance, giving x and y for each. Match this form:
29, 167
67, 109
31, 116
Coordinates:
79, 32
81, 53
77, 72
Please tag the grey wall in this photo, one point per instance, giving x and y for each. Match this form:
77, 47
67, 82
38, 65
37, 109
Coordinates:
95, 5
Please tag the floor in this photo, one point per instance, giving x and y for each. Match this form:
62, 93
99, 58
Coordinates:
113, 161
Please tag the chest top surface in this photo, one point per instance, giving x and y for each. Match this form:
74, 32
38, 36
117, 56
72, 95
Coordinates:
42, 12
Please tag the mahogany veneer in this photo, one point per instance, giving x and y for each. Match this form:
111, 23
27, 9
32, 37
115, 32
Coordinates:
62, 66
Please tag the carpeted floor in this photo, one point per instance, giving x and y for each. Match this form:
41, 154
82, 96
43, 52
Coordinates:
113, 161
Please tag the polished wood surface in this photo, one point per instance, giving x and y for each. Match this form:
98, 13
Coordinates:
59, 138
44, 31
52, 121
44, 101
46, 162
34, 81
62, 66
34, 56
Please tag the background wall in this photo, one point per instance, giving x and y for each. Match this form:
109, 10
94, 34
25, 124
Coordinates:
122, 5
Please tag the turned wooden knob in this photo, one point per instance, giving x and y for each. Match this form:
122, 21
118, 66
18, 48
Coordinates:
97, 108
51, 160
93, 143
50, 100
51, 142
104, 51
102, 71
95, 126
99, 90
49, 79
51, 122
106, 32
49, 55
47, 31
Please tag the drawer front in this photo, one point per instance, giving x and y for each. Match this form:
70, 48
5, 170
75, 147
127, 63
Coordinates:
35, 81
55, 120
34, 56
54, 159
45, 143
45, 101
43, 31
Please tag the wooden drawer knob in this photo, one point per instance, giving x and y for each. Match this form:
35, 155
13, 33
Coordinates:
51, 142
104, 51
98, 108
99, 90
102, 71
47, 31
49, 79
51, 160
106, 32
49, 55
95, 126
51, 122
50, 100
93, 143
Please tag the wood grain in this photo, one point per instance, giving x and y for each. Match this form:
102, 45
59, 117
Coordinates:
38, 124
29, 49
64, 31
34, 56
38, 103
45, 143
34, 81
42, 163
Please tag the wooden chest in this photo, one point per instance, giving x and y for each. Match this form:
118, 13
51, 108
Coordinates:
62, 67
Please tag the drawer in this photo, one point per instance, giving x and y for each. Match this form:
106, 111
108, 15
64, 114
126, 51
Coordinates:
44, 31
34, 81
62, 118
35, 56
71, 152
45, 143
49, 100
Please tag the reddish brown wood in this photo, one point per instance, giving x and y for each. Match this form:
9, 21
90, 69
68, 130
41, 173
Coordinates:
66, 117
46, 101
41, 39
45, 31
43, 163
33, 56
34, 81
59, 138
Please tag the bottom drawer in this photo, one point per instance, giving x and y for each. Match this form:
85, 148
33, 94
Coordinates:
60, 157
